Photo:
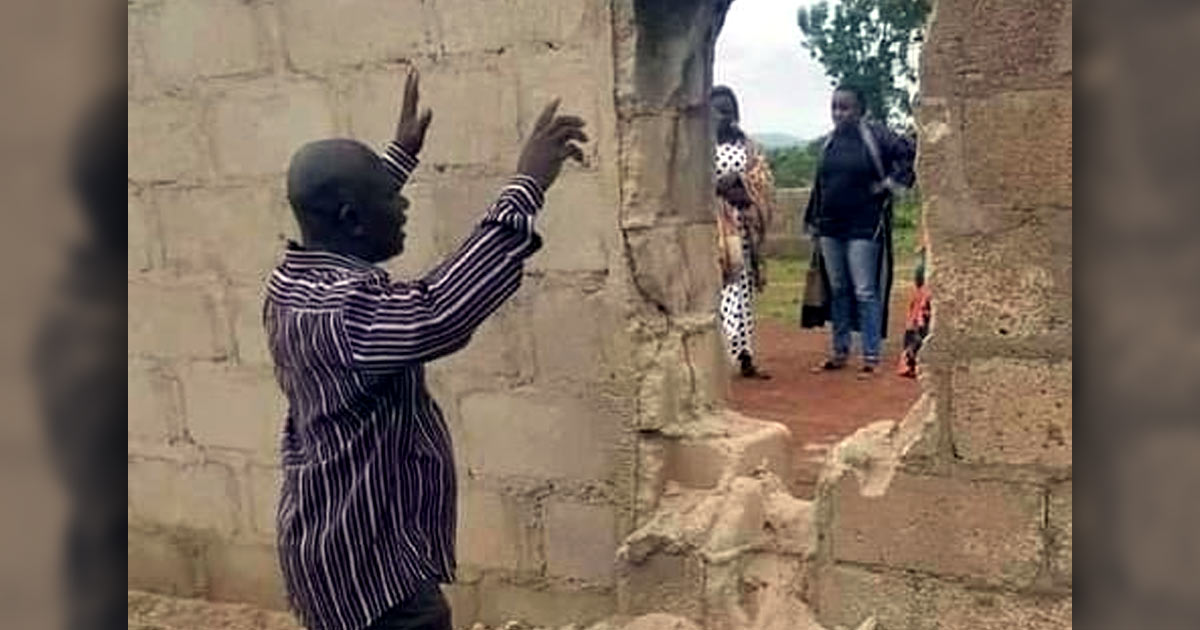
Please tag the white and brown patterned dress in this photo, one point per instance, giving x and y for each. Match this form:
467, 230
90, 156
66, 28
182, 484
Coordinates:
737, 299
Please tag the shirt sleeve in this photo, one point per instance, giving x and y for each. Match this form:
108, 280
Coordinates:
403, 323
398, 162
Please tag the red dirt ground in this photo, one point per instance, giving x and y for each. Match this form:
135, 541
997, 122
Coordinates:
820, 409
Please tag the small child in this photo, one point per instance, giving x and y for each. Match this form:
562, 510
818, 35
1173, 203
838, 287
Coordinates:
916, 326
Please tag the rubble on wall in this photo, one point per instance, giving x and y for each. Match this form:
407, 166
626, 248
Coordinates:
873, 453
731, 557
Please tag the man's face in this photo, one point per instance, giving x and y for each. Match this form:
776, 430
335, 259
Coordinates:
383, 216
845, 109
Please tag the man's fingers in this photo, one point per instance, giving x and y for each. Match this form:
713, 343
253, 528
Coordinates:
547, 115
411, 88
565, 133
572, 151
426, 117
567, 121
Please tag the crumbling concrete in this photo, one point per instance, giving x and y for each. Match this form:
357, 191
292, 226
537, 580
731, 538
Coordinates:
959, 515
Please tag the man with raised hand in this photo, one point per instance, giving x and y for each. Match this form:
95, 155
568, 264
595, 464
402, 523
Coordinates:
366, 519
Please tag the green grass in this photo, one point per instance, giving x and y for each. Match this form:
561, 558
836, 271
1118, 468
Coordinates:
785, 279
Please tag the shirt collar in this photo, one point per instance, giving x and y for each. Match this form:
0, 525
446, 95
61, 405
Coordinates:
299, 258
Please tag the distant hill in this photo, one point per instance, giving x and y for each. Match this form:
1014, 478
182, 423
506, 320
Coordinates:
777, 140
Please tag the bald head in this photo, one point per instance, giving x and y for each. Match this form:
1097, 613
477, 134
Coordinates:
344, 199
323, 170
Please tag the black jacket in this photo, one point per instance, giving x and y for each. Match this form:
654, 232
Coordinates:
893, 157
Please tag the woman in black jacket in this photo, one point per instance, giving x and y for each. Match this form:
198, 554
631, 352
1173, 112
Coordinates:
849, 215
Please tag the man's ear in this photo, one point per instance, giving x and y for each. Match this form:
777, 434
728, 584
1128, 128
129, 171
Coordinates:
348, 217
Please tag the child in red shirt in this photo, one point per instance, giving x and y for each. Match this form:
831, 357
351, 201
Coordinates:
916, 326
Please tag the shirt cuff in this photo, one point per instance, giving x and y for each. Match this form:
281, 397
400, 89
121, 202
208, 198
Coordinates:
526, 194
519, 202
398, 162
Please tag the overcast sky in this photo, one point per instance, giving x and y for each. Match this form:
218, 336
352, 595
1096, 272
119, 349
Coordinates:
780, 88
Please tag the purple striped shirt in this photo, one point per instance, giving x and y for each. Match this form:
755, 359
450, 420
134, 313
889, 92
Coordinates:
367, 508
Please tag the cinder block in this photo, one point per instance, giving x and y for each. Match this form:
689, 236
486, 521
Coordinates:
155, 402
245, 573
476, 119
137, 68
581, 541
160, 563
667, 165
459, 203
1061, 533
322, 34
262, 495
500, 603
557, 22
663, 386
195, 496
246, 305
760, 444
236, 231
984, 530
1009, 411
571, 334
475, 111
664, 583
177, 319
1017, 148
990, 46
234, 407
676, 267
696, 463
847, 596
142, 233
1004, 287
665, 55
709, 365
537, 435
496, 531
500, 353
259, 125
369, 101
956, 607
578, 224
189, 40
167, 142
585, 89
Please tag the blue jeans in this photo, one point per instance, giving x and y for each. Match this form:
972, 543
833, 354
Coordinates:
853, 268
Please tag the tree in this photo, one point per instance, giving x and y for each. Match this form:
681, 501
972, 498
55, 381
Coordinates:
795, 167
868, 43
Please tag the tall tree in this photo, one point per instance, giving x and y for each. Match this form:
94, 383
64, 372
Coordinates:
868, 42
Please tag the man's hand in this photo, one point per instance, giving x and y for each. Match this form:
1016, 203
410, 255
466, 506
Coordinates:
549, 144
410, 131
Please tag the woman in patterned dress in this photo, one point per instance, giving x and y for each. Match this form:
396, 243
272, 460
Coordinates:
745, 200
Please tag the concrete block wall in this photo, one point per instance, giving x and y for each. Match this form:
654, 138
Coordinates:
544, 405
785, 236
974, 528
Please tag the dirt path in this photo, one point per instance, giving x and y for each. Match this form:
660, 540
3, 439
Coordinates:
821, 409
